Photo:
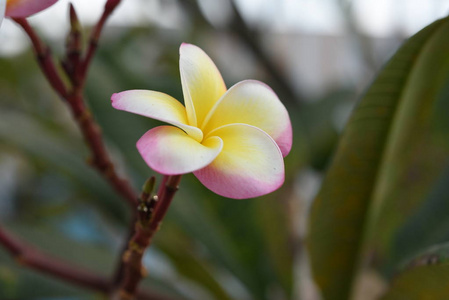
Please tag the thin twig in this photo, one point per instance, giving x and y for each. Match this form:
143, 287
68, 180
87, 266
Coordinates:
100, 157
171, 184
44, 263
91, 131
152, 211
73, 48
44, 58
120, 268
129, 273
95, 36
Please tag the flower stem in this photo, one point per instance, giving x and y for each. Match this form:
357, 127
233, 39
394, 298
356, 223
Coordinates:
74, 97
145, 228
130, 270
94, 38
34, 259
44, 58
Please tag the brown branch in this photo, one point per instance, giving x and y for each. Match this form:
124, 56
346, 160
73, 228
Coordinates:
151, 212
73, 48
100, 159
90, 130
129, 272
171, 184
44, 263
44, 59
95, 36
120, 268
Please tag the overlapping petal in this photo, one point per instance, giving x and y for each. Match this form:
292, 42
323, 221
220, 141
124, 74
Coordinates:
253, 102
170, 151
249, 165
156, 105
25, 8
202, 83
233, 141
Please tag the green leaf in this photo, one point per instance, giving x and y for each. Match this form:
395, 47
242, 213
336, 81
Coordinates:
424, 277
181, 251
428, 226
417, 153
429, 282
366, 191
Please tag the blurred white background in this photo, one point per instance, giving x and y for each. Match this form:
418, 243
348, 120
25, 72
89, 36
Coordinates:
312, 40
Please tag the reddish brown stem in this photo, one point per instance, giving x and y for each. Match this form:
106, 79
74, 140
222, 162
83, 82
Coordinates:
34, 259
100, 156
119, 271
141, 240
166, 196
44, 58
76, 70
73, 48
95, 36
89, 128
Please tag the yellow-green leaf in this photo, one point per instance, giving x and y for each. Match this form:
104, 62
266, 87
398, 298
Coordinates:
361, 180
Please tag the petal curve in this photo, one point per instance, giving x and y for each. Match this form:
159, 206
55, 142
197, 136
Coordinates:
202, 84
155, 105
254, 103
26, 8
249, 165
170, 151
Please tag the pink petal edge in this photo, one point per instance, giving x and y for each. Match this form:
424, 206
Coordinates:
284, 139
234, 186
170, 151
26, 8
225, 176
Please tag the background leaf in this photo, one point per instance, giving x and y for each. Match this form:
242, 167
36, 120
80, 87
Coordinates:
384, 119
423, 277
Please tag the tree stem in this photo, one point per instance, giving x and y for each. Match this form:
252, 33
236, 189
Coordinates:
145, 229
34, 259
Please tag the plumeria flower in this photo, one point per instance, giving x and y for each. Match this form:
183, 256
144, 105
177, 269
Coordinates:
22, 8
232, 140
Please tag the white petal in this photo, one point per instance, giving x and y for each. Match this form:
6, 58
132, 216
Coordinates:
201, 81
249, 165
155, 105
170, 151
254, 103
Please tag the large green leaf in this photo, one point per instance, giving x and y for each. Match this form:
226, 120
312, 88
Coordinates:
424, 277
417, 153
428, 226
373, 155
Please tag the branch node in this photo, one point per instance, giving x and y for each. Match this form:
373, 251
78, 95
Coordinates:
84, 117
133, 246
21, 259
109, 171
124, 295
126, 256
143, 272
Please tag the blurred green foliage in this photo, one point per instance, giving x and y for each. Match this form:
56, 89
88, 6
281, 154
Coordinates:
384, 198
208, 246
382, 205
